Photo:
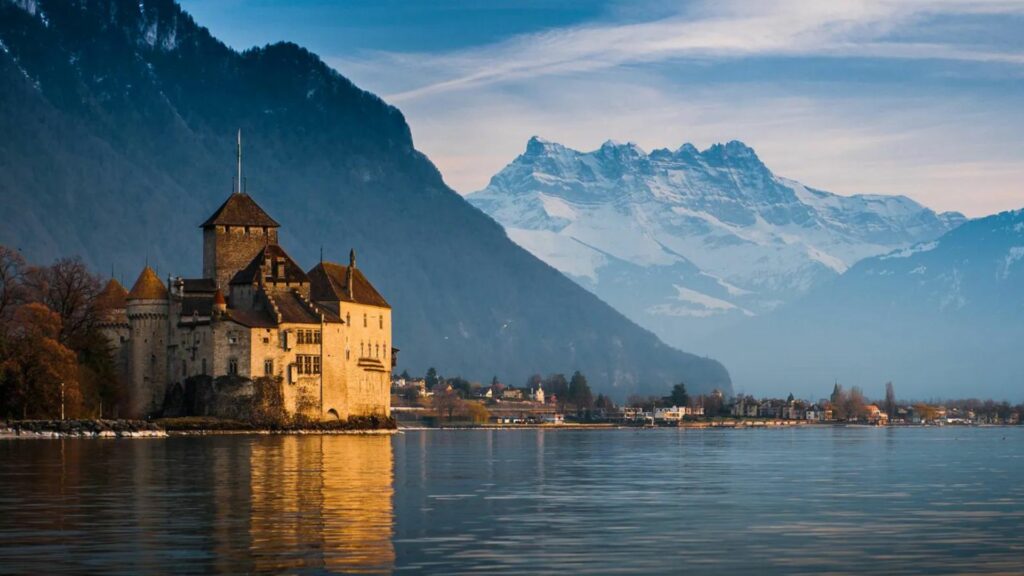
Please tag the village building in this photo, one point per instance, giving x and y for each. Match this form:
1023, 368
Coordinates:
320, 337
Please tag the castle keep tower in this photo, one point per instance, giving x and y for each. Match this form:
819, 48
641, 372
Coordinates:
148, 308
236, 232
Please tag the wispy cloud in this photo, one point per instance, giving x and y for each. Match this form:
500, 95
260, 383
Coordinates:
945, 138
729, 29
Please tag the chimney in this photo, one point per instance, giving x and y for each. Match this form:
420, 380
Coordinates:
351, 273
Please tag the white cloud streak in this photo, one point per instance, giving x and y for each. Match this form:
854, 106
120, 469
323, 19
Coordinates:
472, 110
727, 29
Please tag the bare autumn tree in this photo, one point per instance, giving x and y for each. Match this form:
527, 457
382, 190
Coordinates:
12, 288
446, 403
69, 289
854, 405
35, 366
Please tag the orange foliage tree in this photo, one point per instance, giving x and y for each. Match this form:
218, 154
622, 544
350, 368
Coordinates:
35, 365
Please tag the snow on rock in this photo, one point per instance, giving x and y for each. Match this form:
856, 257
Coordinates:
756, 239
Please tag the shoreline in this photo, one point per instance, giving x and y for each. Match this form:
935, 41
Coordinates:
121, 429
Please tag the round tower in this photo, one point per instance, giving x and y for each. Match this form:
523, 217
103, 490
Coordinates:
112, 315
148, 310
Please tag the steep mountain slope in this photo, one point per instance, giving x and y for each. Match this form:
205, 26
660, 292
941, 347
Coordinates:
119, 118
686, 241
939, 319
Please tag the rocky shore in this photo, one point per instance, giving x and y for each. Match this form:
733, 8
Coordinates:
188, 426
81, 429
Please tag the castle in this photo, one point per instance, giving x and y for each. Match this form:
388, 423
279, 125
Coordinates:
322, 337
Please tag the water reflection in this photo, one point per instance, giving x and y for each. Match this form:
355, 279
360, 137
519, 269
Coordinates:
808, 501
321, 502
202, 505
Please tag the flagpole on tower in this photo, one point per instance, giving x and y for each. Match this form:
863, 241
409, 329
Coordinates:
238, 183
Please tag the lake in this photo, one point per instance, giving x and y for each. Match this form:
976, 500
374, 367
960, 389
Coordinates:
797, 500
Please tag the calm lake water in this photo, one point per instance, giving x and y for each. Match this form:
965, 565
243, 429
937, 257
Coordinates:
814, 500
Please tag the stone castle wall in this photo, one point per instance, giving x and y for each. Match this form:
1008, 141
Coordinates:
228, 249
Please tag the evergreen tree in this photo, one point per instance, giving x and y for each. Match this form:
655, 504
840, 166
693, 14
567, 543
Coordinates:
679, 396
890, 400
579, 392
431, 378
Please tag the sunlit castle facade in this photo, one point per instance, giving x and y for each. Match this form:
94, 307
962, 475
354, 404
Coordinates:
323, 335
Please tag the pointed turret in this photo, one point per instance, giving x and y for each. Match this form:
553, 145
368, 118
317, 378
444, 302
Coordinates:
148, 287
112, 297
219, 303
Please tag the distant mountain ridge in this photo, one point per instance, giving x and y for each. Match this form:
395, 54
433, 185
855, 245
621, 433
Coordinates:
119, 117
686, 241
940, 319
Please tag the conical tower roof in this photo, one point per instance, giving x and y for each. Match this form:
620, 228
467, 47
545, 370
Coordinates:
148, 287
240, 210
112, 297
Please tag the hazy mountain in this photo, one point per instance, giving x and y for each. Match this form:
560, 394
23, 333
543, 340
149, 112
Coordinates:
686, 241
118, 119
939, 319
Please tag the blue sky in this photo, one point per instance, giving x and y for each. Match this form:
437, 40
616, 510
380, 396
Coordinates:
916, 97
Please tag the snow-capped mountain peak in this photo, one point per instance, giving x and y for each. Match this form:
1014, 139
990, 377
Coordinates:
663, 234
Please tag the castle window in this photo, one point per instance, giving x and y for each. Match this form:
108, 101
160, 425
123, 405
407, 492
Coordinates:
233, 366
232, 338
316, 337
300, 336
362, 349
348, 319
348, 354
381, 318
268, 367
364, 320
307, 364
376, 350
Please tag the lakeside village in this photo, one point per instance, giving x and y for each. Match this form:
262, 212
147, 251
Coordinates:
259, 343
555, 400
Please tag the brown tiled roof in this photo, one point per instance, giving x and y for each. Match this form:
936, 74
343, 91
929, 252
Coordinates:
148, 287
240, 210
253, 318
112, 297
199, 285
250, 274
292, 309
328, 282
